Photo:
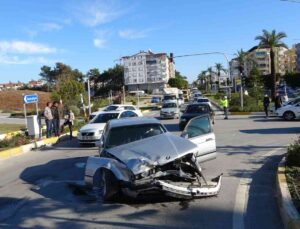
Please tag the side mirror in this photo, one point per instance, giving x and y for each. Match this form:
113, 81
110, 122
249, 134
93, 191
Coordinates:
99, 144
185, 135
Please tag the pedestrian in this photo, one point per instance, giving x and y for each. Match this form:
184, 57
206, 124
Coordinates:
266, 105
285, 98
278, 101
224, 105
56, 118
69, 121
48, 119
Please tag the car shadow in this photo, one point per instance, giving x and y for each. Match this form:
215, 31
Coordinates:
286, 130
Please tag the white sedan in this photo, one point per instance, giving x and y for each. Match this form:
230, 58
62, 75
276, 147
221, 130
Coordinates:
289, 112
118, 107
92, 132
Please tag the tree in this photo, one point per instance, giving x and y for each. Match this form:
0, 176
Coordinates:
219, 68
210, 74
47, 75
203, 79
110, 79
255, 84
179, 81
272, 40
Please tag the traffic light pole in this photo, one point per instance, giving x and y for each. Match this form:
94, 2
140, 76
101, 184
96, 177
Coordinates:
242, 93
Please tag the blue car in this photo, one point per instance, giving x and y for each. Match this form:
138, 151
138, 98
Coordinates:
155, 100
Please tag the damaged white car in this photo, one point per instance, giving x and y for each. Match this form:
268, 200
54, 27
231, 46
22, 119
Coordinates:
139, 156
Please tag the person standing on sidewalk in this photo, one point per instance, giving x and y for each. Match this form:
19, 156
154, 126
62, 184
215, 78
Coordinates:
266, 105
224, 104
56, 118
48, 119
278, 101
69, 121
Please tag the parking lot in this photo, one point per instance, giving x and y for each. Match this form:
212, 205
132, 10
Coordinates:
38, 188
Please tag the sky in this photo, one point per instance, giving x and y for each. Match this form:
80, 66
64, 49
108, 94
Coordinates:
89, 34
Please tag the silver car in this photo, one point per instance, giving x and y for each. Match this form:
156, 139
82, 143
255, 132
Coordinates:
169, 110
139, 156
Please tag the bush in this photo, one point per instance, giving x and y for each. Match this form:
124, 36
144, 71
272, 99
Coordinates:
99, 103
75, 110
293, 154
16, 140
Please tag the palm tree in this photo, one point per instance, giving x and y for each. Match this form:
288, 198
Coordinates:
210, 73
272, 40
219, 68
202, 77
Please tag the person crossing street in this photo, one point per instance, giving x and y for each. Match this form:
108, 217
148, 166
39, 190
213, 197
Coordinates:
224, 105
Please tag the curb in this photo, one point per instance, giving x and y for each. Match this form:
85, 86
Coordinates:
5, 154
288, 212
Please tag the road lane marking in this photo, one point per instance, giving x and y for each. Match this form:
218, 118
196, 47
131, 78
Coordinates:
242, 195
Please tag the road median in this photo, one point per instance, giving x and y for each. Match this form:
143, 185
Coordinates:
6, 154
289, 213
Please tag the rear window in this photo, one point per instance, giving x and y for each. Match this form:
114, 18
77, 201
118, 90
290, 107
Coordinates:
169, 105
126, 134
111, 108
104, 118
202, 100
197, 109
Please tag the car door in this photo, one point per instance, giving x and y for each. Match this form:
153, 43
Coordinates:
297, 110
199, 131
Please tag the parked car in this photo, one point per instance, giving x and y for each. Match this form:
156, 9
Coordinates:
289, 112
193, 110
92, 132
115, 107
203, 101
155, 100
169, 110
129, 161
290, 102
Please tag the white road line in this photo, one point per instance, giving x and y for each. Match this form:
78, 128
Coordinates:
242, 195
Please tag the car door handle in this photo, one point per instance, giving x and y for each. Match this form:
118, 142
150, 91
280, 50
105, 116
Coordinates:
209, 139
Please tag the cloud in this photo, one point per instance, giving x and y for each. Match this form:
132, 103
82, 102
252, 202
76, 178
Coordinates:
17, 60
99, 43
25, 47
93, 13
133, 34
50, 26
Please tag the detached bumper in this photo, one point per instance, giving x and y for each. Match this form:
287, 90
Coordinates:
179, 191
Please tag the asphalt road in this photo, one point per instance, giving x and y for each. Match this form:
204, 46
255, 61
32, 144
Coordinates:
35, 190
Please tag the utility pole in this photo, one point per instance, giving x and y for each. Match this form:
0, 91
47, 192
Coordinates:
124, 101
89, 95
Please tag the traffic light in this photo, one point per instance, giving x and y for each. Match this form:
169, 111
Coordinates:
171, 57
243, 81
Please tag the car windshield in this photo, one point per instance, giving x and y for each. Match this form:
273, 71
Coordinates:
170, 97
103, 118
111, 108
202, 100
197, 109
126, 134
169, 105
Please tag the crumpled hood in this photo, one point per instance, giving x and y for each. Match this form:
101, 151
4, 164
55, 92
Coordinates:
92, 127
147, 153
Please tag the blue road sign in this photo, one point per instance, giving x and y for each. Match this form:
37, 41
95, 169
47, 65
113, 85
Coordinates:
31, 98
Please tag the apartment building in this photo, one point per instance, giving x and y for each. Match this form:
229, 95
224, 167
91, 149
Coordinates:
290, 60
234, 68
260, 57
147, 71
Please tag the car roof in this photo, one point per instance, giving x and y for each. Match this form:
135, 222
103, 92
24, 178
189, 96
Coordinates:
132, 121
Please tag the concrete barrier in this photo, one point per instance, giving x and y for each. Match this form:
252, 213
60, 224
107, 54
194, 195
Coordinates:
288, 212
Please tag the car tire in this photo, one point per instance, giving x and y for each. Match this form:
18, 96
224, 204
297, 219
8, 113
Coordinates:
289, 116
109, 185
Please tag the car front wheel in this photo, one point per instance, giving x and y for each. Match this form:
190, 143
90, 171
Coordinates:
289, 115
109, 185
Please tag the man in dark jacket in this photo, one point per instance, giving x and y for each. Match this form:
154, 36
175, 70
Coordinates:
278, 101
56, 118
266, 105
